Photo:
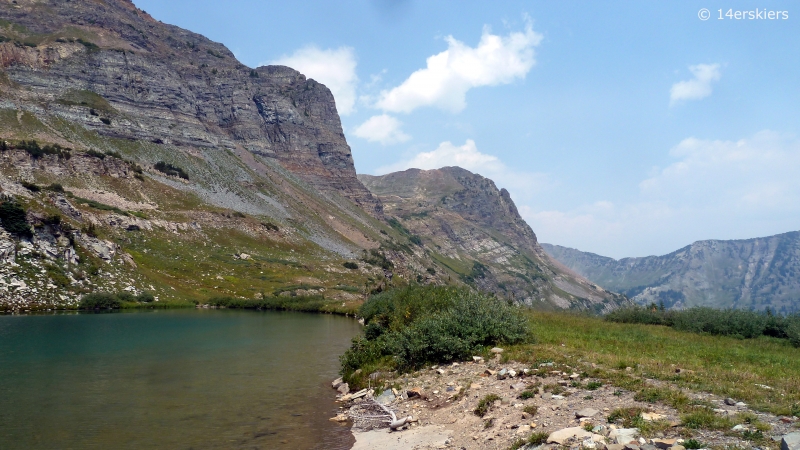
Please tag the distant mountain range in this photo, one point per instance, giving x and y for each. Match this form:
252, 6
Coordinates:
753, 274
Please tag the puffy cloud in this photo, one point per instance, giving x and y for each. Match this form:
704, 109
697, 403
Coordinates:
335, 68
448, 75
467, 156
713, 190
698, 87
382, 128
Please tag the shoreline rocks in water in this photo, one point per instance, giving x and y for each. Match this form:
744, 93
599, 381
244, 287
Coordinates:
440, 406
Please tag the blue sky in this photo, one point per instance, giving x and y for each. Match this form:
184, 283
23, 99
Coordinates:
620, 128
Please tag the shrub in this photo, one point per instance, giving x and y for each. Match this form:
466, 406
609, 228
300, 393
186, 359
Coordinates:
417, 325
593, 385
727, 322
30, 186
145, 297
170, 170
14, 220
55, 187
350, 265
484, 404
95, 154
100, 300
105, 120
693, 444
526, 394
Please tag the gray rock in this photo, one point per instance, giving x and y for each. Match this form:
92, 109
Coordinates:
791, 441
386, 397
518, 386
337, 382
741, 404
624, 435
497, 350
587, 412
502, 374
343, 388
730, 402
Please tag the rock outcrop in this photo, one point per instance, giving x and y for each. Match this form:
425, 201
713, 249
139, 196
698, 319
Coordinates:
115, 70
473, 229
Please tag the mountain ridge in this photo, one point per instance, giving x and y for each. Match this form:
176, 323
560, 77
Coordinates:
149, 158
756, 273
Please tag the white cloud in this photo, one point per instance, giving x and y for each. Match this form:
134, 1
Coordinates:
465, 156
451, 73
522, 185
713, 190
335, 68
382, 128
697, 88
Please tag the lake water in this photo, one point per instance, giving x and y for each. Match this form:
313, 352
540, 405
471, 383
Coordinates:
177, 379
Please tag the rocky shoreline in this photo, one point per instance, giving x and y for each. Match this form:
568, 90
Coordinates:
507, 405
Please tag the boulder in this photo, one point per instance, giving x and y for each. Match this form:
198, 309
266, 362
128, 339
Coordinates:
664, 444
563, 435
623, 435
336, 383
791, 441
587, 412
343, 388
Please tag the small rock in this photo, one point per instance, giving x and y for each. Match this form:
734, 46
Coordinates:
477, 359
489, 372
614, 447
440, 371
631, 447
386, 397
512, 373
730, 402
474, 386
741, 405
650, 417
574, 376
587, 412
343, 388
339, 418
416, 392
502, 374
518, 386
336, 383
739, 428
497, 350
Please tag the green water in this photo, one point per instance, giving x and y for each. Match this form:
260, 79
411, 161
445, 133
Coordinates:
177, 379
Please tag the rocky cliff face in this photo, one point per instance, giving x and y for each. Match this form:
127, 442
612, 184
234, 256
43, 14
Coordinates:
749, 274
113, 69
148, 158
473, 230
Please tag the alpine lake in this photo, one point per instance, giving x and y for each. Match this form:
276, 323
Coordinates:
178, 379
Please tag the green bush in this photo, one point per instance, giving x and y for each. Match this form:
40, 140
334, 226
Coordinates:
725, 322
145, 297
13, 219
100, 300
350, 265
418, 325
170, 170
